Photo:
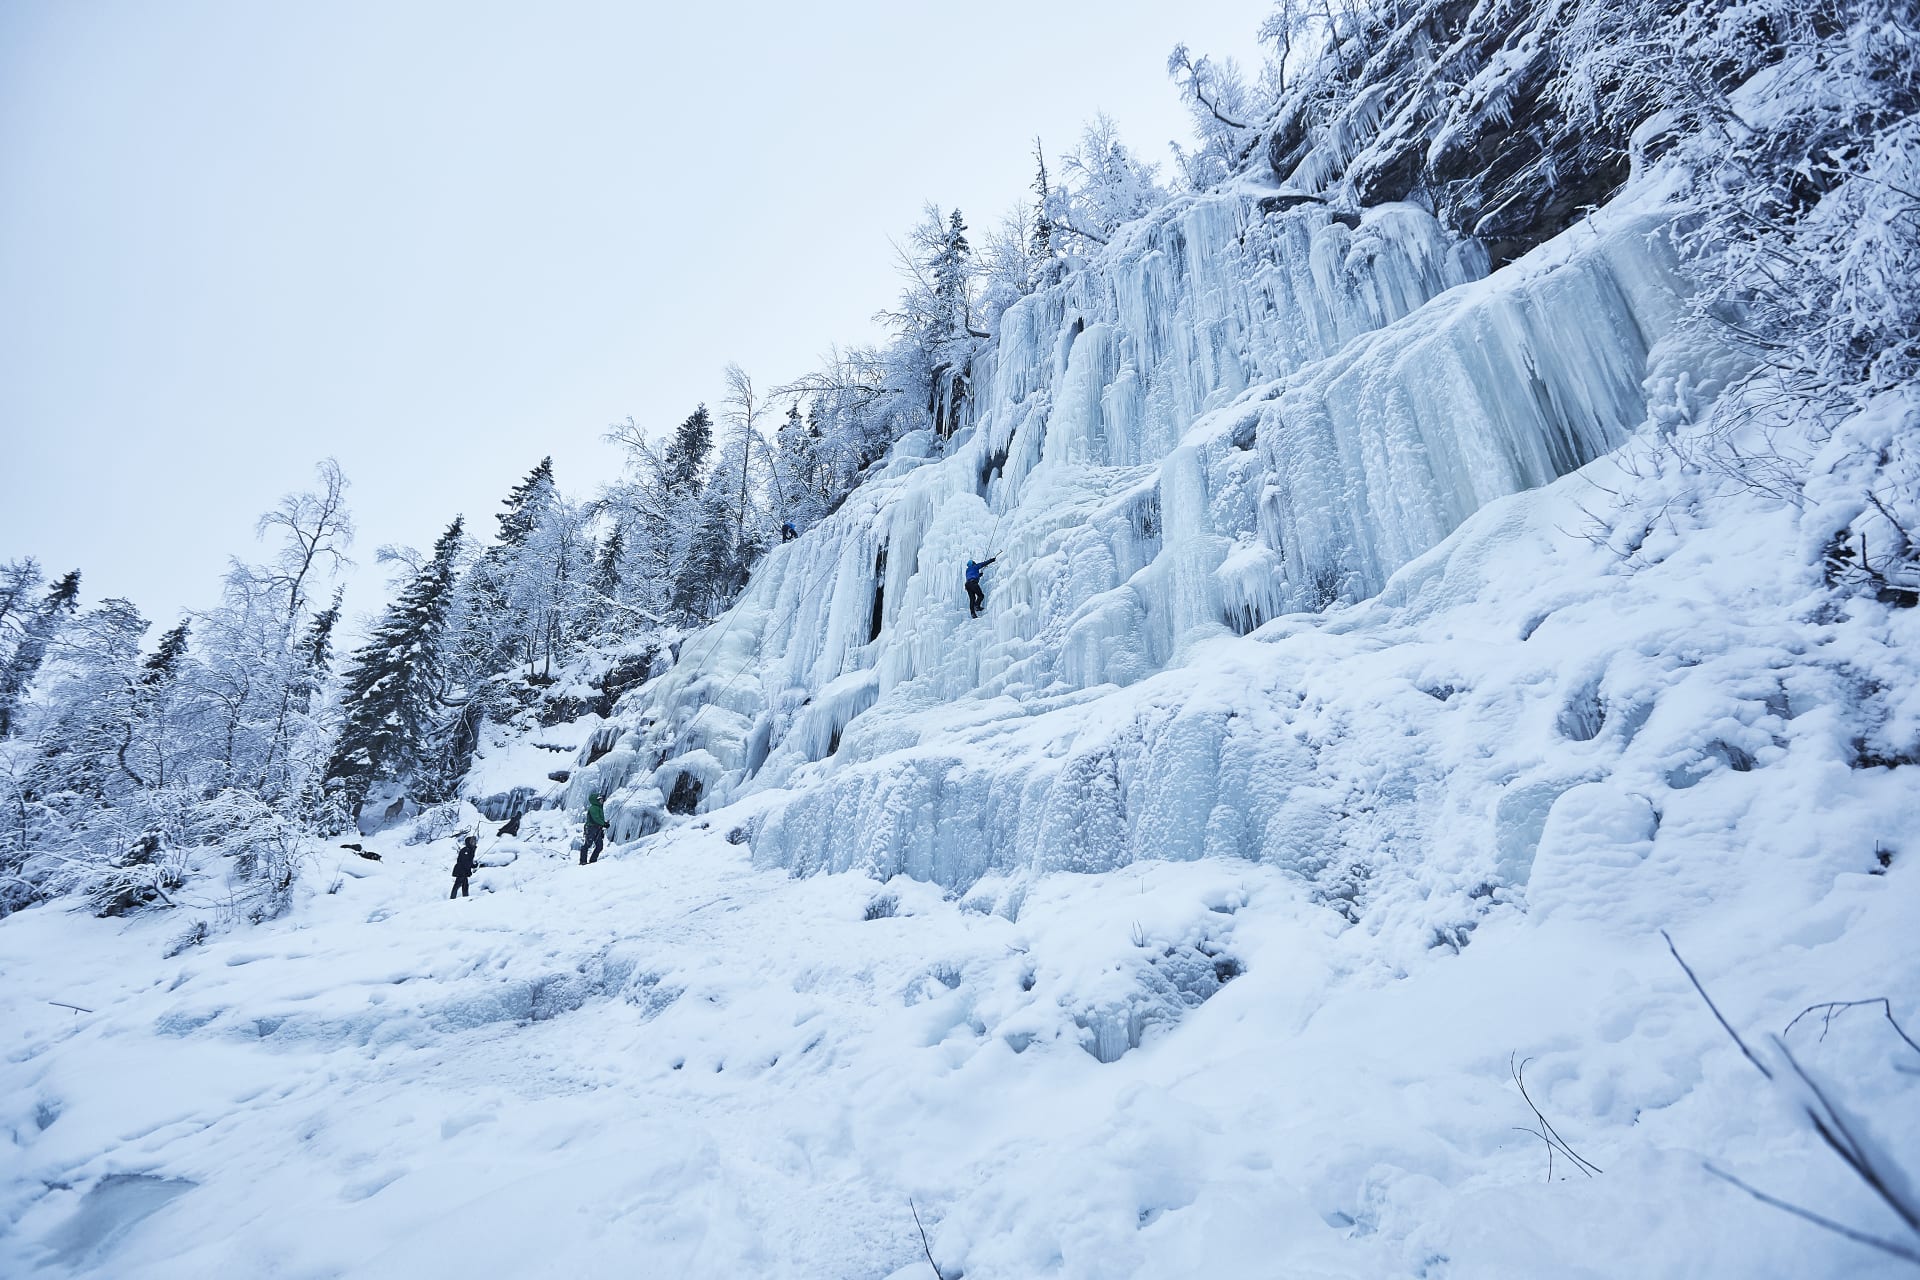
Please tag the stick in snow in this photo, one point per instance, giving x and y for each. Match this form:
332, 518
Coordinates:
1555, 1141
924, 1246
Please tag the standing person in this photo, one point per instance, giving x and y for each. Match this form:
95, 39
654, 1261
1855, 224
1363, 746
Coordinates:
463, 867
787, 532
596, 829
976, 594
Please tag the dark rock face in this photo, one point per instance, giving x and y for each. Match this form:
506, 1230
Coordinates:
1452, 109
622, 676
685, 797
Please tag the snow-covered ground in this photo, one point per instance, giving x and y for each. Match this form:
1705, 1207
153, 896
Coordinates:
676, 1063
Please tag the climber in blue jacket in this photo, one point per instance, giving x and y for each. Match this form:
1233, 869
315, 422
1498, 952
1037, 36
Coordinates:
976, 594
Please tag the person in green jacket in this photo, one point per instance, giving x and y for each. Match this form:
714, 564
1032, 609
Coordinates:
596, 829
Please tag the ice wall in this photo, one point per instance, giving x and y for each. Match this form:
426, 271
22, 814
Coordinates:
1233, 413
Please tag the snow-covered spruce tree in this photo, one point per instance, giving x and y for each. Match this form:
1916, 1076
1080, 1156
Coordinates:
163, 664
1040, 240
525, 504
653, 509
952, 374
713, 573
392, 693
547, 601
729, 523
931, 359
803, 471
106, 773
32, 630
518, 612
953, 278
490, 633
315, 655
606, 576
686, 455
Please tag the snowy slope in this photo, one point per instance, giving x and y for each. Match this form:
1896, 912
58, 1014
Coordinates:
1160, 922
676, 1063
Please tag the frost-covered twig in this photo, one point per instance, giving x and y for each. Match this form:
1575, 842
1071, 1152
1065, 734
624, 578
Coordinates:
654, 618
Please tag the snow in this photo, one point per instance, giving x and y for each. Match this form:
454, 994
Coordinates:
1369, 676
675, 1063
1415, 837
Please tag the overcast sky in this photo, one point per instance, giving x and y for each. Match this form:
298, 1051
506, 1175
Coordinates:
439, 240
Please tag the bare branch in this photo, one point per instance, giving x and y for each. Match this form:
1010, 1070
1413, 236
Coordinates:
1062, 224
1831, 1007
1718, 1016
1520, 1079
1838, 1228
924, 1246
1831, 1125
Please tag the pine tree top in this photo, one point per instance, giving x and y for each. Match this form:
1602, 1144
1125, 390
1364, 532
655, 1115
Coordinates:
64, 594
165, 660
525, 503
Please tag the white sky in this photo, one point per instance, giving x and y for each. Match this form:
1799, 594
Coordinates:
439, 240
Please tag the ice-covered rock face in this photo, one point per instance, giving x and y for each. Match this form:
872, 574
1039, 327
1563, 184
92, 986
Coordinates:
1230, 415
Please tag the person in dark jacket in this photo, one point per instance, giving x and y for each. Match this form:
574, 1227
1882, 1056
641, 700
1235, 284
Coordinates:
788, 533
976, 594
596, 829
463, 867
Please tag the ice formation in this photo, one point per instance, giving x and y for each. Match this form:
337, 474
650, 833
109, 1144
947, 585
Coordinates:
1240, 412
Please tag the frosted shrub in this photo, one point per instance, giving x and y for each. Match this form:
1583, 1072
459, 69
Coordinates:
192, 936
1795, 126
265, 847
1795, 129
436, 823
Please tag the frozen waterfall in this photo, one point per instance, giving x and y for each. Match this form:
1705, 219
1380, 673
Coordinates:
1232, 414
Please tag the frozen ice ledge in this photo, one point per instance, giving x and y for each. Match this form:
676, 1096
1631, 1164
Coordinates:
1230, 415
